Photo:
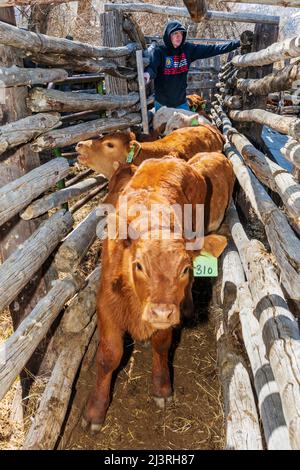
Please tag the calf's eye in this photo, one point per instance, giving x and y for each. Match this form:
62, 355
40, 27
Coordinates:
139, 267
110, 145
185, 271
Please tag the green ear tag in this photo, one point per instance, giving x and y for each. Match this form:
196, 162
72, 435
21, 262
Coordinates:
130, 154
194, 109
194, 122
205, 265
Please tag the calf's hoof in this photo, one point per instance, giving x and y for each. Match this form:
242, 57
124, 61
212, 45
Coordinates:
162, 403
93, 428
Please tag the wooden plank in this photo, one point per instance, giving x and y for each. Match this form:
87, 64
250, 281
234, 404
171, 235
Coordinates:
142, 91
17, 194
183, 12
73, 134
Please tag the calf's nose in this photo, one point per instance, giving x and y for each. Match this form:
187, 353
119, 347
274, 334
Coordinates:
162, 312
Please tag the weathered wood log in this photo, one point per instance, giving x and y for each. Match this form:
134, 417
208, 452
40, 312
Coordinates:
94, 192
79, 176
284, 125
277, 81
142, 91
53, 100
233, 102
269, 402
291, 151
84, 131
81, 64
80, 310
83, 78
33, 43
133, 30
8, 3
279, 328
17, 162
242, 426
285, 110
197, 9
284, 3
47, 424
183, 12
283, 242
26, 129
19, 347
77, 243
18, 76
46, 203
81, 393
270, 174
19, 268
113, 35
19, 193
286, 49
233, 276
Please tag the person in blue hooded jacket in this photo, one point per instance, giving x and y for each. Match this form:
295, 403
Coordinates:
169, 64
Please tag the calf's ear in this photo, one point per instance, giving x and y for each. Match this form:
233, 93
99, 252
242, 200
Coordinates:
214, 244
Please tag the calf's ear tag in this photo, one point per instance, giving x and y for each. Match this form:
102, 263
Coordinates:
193, 109
205, 265
195, 122
130, 154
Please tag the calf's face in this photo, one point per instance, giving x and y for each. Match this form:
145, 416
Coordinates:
101, 154
160, 271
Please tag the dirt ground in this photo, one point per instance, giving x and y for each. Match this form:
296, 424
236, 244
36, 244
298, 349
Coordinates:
193, 421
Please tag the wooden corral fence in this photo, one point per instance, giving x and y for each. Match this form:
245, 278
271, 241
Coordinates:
41, 253
262, 292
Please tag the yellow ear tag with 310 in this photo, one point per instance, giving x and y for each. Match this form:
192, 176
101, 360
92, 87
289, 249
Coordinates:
205, 265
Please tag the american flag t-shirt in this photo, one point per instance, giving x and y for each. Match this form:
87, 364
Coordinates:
175, 64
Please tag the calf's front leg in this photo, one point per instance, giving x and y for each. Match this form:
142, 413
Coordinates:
162, 390
108, 358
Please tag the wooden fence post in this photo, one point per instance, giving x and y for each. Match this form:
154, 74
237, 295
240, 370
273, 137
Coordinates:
264, 36
113, 35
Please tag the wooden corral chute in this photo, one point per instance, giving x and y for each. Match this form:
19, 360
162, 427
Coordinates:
42, 252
